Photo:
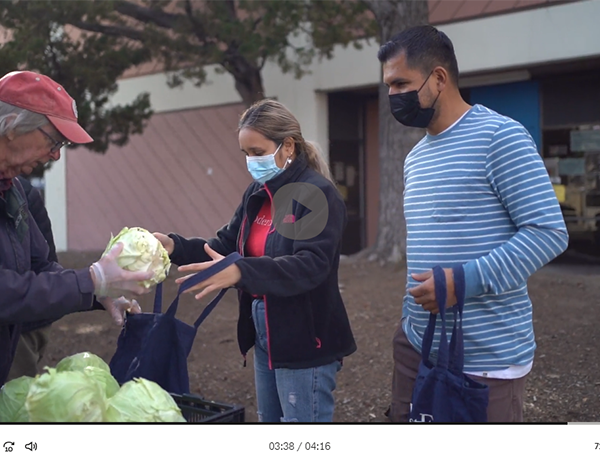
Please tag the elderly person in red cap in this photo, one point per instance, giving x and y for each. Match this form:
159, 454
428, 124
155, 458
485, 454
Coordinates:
38, 118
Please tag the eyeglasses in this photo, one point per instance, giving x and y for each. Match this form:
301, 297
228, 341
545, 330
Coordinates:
56, 144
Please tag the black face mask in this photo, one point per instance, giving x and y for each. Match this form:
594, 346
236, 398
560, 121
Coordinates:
406, 108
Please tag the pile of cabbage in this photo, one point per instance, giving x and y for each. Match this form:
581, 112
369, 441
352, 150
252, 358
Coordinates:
81, 389
142, 251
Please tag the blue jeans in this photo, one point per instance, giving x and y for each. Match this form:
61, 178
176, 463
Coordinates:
290, 395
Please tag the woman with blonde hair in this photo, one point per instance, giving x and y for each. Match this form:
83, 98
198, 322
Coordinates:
291, 309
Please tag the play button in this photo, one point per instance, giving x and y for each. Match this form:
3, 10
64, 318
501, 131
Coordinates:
301, 211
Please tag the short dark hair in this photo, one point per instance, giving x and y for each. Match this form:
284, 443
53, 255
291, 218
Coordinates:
425, 47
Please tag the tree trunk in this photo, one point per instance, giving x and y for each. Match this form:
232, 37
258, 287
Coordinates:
247, 77
250, 86
395, 140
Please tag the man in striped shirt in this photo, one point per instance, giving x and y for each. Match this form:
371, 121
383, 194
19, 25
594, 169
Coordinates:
477, 194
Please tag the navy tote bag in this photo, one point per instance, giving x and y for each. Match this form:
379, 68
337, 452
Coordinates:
155, 346
442, 392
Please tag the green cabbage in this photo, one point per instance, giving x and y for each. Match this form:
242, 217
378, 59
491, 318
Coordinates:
142, 252
68, 396
79, 361
93, 366
108, 383
141, 400
12, 400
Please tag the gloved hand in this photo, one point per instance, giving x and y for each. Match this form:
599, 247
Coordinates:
111, 280
117, 307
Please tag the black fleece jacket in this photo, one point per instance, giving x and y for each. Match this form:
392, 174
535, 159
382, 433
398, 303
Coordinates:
298, 279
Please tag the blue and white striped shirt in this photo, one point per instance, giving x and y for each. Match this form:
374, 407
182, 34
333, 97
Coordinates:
478, 194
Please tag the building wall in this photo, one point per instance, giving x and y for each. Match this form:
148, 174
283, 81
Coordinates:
440, 12
517, 100
185, 174
446, 11
485, 51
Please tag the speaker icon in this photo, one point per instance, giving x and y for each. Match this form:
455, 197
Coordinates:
31, 446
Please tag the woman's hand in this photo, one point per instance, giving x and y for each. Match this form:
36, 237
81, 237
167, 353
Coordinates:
166, 241
228, 277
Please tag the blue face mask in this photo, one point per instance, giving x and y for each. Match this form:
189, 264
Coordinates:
263, 168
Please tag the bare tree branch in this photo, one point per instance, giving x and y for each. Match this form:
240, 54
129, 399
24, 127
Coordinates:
230, 5
115, 31
145, 14
199, 30
256, 22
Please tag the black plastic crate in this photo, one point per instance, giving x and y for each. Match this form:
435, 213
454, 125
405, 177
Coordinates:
196, 409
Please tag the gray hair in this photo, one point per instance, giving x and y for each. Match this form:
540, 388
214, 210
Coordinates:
20, 120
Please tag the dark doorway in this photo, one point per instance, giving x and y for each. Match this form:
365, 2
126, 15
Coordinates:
346, 158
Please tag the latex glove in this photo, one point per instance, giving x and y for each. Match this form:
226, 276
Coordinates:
111, 280
117, 307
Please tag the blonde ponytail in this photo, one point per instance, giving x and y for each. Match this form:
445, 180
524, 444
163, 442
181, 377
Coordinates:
316, 160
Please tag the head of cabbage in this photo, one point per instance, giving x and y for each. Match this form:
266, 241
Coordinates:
79, 361
142, 251
12, 400
141, 400
68, 396
91, 365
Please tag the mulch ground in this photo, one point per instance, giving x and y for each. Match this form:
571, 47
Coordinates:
563, 386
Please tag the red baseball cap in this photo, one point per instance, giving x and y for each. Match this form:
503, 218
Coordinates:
40, 94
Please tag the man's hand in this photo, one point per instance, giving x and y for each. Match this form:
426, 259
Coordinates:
424, 294
117, 307
228, 277
110, 280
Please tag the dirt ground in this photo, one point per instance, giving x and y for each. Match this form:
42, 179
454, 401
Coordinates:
563, 386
